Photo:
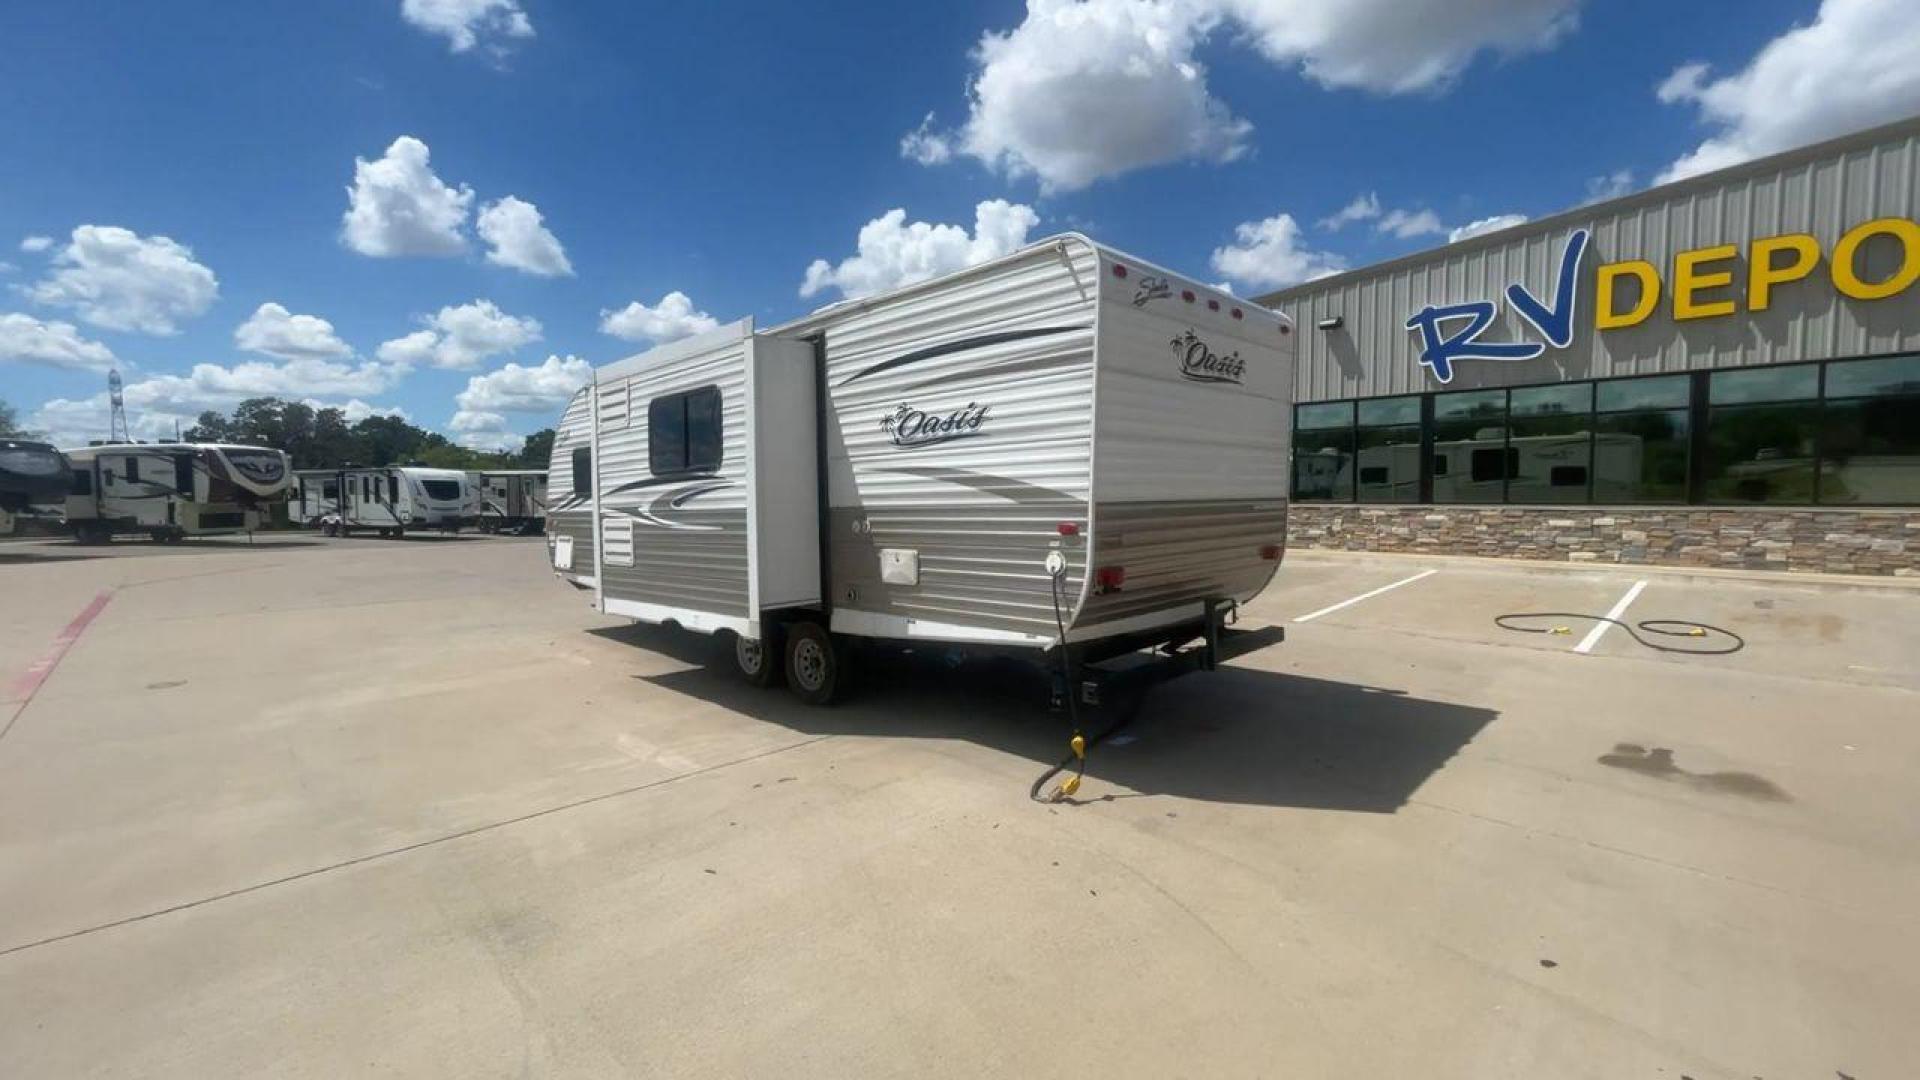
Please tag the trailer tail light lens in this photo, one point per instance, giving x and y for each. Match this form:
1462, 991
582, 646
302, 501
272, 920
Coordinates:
1271, 552
1213, 305
1285, 329
1068, 528
1187, 295
1119, 271
1109, 578
1236, 313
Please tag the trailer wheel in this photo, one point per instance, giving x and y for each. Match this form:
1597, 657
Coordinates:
758, 660
815, 663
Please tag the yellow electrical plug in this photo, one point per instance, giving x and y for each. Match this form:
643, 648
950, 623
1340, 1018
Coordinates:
1561, 630
1697, 632
1068, 786
1079, 745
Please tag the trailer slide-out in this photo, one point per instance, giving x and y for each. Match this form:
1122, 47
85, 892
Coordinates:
1065, 442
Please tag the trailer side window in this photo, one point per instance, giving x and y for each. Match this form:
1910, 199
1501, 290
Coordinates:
684, 432
132, 474
330, 489
393, 489
82, 482
582, 470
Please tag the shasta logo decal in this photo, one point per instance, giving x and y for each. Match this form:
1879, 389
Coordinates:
1151, 288
911, 428
1201, 364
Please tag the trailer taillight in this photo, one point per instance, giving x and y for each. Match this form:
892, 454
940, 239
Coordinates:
1109, 578
1119, 271
1213, 305
1187, 295
1271, 552
1068, 528
1236, 313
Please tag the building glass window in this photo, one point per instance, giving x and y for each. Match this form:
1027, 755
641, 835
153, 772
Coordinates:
1387, 450
1870, 432
1323, 452
1640, 439
1762, 424
1470, 460
1550, 443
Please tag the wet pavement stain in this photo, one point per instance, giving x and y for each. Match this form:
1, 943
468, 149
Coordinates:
1658, 763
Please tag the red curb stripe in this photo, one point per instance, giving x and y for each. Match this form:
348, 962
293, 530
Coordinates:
28, 683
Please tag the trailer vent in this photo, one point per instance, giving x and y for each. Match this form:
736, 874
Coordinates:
616, 540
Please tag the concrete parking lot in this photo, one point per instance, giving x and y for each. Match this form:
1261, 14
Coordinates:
327, 808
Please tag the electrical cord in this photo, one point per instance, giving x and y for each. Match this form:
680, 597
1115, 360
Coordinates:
1079, 742
1686, 629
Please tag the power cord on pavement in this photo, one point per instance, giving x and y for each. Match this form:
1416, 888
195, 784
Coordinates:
1676, 628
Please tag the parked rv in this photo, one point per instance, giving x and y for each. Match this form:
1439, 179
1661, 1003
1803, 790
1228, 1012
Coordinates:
1063, 444
30, 473
170, 491
390, 501
513, 501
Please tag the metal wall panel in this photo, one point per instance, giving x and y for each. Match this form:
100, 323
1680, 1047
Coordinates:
1822, 190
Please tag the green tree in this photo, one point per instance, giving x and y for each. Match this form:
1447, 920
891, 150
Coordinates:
10, 424
537, 451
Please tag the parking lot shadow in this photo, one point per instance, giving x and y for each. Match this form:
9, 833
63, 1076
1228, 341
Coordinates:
1236, 735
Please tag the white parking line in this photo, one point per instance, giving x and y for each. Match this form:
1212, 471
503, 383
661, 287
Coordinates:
1330, 609
1593, 636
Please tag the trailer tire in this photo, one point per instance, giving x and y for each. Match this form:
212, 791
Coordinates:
816, 663
759, 661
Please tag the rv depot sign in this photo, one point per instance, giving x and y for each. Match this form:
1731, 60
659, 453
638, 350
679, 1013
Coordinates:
1699, 285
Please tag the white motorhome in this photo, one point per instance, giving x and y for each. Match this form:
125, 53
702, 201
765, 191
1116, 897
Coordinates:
513, 501
172, 490
30, 473
1063, 442
391, 500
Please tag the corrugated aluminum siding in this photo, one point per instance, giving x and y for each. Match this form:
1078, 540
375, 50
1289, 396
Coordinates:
1823, 190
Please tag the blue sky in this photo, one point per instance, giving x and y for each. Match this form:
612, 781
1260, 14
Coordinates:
176, 193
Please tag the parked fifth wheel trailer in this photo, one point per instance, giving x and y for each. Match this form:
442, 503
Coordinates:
1065, 443
172, 490
390, 501
513, 501
30, 473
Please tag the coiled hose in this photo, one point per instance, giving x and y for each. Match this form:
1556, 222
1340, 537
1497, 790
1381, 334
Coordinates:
1677, 628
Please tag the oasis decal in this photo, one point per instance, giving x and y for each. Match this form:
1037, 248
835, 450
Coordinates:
1200, 363
1439, 349
1702, 283
911, 428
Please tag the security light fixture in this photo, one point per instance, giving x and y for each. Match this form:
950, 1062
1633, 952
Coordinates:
1332, 322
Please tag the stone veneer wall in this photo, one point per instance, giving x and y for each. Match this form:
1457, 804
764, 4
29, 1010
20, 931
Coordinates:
1767, 538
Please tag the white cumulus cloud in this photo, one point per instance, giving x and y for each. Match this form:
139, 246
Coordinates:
467, 23
1857, 64
892, 252
117, 279
35, 243
26, 340
1079, 91
156, 403
397, 206
272, 330
1407, 224
1609, 185
673, 318
461, 336
1269, 254
1485, 225
1364, 207
516, 237
356, 410
481, 420
926, 146
1084, 89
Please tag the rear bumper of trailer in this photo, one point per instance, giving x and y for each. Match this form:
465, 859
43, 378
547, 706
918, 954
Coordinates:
1116, 667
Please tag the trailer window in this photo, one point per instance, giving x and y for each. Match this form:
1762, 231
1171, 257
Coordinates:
82, 482
330, 489
684, 432
393, 489
582, 470
132, 471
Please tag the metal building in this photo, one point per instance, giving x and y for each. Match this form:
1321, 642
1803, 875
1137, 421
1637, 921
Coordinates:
1723, 370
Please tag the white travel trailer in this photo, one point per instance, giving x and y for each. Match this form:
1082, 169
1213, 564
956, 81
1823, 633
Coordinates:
30, 473
391, 501
1065, 441
172, 490
513, 500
